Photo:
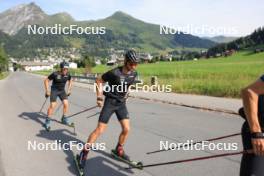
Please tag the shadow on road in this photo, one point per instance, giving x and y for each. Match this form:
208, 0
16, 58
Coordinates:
97, 162
101, 166
63, 136
35, 116
97, 166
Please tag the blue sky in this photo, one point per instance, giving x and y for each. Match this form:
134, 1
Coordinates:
242, 15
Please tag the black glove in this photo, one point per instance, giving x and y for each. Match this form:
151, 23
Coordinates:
241, 112
47, 94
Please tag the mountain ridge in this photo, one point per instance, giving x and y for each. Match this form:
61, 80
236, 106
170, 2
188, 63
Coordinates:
221, 38
122, 31
15, 18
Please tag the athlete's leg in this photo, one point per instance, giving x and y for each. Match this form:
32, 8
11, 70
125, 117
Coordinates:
53, 102
105, 115
123, 117
49, 114
64, 99
122, 139
65, 106
96, 133
51, 108
91, 139
125, 124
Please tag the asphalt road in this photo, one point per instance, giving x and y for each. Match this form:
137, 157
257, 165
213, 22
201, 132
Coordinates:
22, 95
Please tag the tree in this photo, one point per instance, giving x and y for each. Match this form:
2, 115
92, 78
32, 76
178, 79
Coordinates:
3, 60
87, 63
103, 61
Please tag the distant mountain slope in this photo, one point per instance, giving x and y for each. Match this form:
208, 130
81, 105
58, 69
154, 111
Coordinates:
122, 31
254, 40
221, 39
14, 19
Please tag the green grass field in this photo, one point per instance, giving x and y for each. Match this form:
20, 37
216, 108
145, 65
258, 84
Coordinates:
3, 75
222, 77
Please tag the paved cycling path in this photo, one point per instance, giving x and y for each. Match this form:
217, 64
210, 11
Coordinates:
22, 95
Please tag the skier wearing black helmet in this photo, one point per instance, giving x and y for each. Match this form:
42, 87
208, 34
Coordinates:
114, 102
59, 80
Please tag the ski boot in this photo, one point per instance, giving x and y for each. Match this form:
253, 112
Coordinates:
121, 153
47, 124
66, 121
80, 161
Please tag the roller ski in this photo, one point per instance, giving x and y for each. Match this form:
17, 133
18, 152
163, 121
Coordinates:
46, 125
80, 160
80, 169
120, 155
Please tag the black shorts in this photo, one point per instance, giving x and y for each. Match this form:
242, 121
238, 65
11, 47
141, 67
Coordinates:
251, 165
57, 93
112, 105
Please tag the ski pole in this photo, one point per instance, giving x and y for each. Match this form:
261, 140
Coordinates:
85, 110
43, 105
195, 159
212, 139
93, 115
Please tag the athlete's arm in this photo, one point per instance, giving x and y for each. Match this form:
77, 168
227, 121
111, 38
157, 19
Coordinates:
46, 85
133, 85
99, 86
69, 86
99, 90
250, 96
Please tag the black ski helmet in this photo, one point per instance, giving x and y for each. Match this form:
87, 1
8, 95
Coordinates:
131, 56
64, 65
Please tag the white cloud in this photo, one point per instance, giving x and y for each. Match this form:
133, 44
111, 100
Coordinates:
244, 16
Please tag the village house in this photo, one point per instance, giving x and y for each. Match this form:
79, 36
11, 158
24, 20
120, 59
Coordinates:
36, 66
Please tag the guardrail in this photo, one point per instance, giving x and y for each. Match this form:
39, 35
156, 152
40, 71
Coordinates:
88, 79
